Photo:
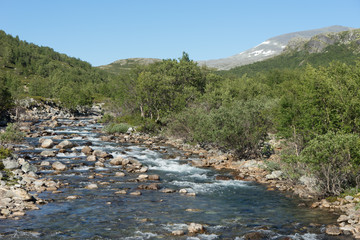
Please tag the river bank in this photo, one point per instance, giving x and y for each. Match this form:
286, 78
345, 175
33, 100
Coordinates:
36, 185
348, 222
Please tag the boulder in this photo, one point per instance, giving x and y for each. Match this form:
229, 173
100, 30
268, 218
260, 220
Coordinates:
143, 176
47, 143
87, 150
10, 164
92, 186
66, 144
91, 158
26, 167
58, 166
136, 193
154, 177
99, 164
183, 191
101, 154
121, 192
47, 153
45, 163
343, 218
178, 233
274, 175
120, 174
21, 194
168, 190
333, 230
196, 228
116, 161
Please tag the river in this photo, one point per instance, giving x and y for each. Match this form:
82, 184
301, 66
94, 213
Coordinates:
228, 209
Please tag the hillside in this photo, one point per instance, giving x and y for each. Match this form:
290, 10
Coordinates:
267, 49
320, 50
125, 65
30, 70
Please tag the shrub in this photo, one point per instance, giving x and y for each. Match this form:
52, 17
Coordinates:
116, 128
334, 158
106, 118
11, 134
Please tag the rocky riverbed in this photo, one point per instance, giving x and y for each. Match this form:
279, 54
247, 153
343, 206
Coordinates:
38, 174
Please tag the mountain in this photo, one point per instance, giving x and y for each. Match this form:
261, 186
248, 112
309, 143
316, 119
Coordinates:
124, 65
320, 50
267, 49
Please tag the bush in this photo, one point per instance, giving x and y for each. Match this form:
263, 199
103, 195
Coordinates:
116, 128
4, 152
11, 134
335, 160
106, 118
241, 126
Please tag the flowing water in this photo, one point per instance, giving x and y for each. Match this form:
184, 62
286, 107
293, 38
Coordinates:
228, 209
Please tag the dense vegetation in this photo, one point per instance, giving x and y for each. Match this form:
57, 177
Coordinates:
313, 107
48, 74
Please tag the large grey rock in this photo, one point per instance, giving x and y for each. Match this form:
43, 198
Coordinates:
10, 164
274, 175
47, 143
27, 167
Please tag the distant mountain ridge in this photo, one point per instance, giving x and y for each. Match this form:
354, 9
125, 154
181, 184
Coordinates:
320, 50
269, 48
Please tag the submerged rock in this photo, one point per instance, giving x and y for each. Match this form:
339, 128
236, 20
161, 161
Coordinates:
333, 230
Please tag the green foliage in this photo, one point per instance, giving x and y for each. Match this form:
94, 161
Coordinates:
116, 128
334, 158
4, 152
321, 100
11, 134
6, 100
167, 87
49, 74
107, 118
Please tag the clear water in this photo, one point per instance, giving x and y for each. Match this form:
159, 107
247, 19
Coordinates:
228, 209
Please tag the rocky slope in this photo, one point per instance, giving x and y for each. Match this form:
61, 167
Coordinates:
318, 43
269, 48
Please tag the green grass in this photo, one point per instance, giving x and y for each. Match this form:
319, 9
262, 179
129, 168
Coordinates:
116, 128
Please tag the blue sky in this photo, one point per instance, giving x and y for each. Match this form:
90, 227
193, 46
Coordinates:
101, 32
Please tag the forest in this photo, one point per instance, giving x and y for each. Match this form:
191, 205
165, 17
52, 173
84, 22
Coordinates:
314, 108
